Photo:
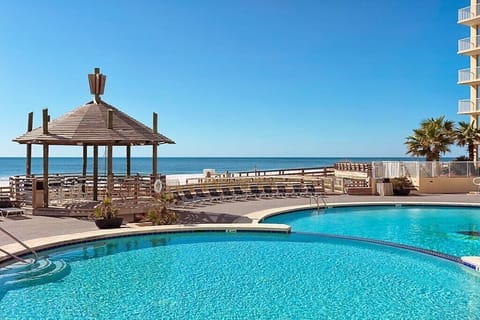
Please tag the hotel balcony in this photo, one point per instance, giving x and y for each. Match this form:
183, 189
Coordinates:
469, 46
467, 17
470, 76
467, 106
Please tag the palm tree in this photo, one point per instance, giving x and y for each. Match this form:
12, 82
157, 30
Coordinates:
469, 135
432, 138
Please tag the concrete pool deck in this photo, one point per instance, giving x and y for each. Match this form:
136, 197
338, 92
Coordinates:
40, 232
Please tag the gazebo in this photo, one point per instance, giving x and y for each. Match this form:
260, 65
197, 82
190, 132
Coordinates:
95, 124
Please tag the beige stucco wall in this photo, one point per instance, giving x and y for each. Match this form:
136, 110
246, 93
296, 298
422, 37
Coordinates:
445, 185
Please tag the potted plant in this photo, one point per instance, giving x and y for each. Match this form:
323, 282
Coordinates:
161, 213
401, 186
105, 215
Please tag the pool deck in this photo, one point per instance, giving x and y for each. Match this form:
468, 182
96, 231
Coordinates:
40, 232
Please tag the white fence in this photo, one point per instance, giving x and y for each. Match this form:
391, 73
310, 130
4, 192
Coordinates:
424, 169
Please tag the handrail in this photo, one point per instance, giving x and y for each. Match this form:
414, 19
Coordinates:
23, 244
315, 198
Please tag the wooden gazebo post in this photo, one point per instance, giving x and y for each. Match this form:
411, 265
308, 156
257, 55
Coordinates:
29, 146
95, 172
109, 155
84, 161
155, 147
129, 161
45, 159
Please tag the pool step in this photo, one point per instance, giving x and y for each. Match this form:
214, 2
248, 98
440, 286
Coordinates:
472, 261
42, 271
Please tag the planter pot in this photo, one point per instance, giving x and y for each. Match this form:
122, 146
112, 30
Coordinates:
401, 192
109, 223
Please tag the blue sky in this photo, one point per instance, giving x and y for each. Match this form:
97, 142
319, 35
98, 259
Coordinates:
238, 78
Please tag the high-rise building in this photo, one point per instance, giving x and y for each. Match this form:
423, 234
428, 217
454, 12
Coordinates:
470, 17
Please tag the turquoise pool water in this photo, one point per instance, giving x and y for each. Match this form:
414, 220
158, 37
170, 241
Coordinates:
429, 227
244, 276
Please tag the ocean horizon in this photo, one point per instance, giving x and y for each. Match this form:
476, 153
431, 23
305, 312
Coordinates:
13, 166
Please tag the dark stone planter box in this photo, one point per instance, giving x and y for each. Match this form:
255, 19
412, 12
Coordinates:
401, 192
109, 223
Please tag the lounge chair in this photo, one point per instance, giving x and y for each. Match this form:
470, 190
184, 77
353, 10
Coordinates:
313, 190
297, 190
178, 198
268, 191
239, 192
255, 191
201, 195
310, 190
214, 194
227, 194
281, 190
7, 208
189, 196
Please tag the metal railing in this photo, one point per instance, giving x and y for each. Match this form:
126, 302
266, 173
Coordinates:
424, 169
468, 106
468, 43
317, 199
35, 255
470, 74
466, 13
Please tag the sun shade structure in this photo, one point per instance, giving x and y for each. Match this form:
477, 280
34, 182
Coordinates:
95, 124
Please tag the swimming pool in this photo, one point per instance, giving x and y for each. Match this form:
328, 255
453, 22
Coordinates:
438, 228
219, 275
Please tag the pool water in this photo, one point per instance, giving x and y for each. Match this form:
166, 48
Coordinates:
429, 227
245, 276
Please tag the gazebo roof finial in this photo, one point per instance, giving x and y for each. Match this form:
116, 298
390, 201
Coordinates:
97, 84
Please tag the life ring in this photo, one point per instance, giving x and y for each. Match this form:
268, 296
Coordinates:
476, 181
158, 186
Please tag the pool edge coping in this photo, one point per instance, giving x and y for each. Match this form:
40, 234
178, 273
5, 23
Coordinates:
132, 229
472, 262
258, 216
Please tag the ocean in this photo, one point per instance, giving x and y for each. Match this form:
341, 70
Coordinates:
11, 166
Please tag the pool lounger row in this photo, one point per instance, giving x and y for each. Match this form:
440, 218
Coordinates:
198, 195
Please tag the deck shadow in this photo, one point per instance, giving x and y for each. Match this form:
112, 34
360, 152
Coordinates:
189, 217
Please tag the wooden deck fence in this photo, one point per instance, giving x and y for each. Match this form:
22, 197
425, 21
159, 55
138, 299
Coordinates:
28, 191
73, 188
320, 171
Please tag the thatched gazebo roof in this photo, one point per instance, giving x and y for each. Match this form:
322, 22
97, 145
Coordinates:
87, 125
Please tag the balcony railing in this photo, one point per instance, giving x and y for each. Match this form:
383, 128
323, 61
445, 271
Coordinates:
467, 106
468, 75
466, 13
468, 43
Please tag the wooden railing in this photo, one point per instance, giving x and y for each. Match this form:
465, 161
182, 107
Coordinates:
322, 171
354, 166
28, 191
